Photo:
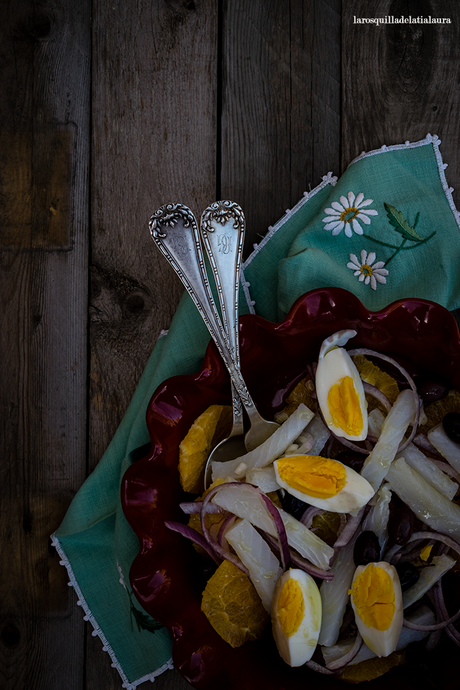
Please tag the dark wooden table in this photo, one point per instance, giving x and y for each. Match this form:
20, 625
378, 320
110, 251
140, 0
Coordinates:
108, 110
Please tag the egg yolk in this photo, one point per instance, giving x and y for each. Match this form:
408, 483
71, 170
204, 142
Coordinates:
344, 406
290, 609
374, 597
313, 475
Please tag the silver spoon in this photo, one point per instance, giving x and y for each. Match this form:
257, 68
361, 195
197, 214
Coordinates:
222, 231
174, 230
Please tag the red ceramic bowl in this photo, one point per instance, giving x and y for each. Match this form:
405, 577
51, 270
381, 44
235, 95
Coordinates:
167, 576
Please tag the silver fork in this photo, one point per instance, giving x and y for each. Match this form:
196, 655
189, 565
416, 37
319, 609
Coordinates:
174, 230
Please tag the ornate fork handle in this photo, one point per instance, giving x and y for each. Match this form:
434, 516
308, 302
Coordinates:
222, 230
174, 230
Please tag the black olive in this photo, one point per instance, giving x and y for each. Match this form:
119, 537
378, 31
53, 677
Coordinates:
292, 505
431, 388
352, 459
408, 574
401, 525
367, 548
451, 425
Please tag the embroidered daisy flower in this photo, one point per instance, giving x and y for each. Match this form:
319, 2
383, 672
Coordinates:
347, 213
367, 270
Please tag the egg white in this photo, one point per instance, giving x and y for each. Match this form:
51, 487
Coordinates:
298, 648
354, 495
332, 367
382, 642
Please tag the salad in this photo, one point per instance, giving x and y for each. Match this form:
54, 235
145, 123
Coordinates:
344, 523
168, 576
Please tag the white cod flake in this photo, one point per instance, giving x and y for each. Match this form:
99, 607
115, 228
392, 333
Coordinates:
394, 427
430, 506
256, 555
270, 449
245, 504
448, 449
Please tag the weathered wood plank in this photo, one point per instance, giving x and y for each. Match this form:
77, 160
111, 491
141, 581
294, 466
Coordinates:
154, 138
398, 79
280, 104
44, 164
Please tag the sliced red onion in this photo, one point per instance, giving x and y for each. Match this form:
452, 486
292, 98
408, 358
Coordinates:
227, 523
272, 509
455, 546
448, 469
297, 560
338, 664
349, 530
193, 535
437, 536
193, 507
223, 553
282, 536
377, 394
309, 514
318, 668
444, 614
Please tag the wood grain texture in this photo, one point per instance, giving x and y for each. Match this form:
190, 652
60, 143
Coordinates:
280, 104
44, 165
154, 122
399, 80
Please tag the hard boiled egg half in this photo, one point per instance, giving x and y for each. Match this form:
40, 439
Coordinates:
296, 616
340, 389
322, 482
376, 599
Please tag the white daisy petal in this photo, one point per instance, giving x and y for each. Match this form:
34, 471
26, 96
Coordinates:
367, 279
338, 207
356, 227
354, 258
338, 229
352, 266
366, 202
358, 199
381, 278
344, 201
373, 283
364, 218
331, 216
371, 258
379, 264
363, 256
348, 231
334, 224
358, 273
361, 277
351, 198
368, 211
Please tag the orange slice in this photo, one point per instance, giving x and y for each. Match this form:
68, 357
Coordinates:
206, 431
233, 607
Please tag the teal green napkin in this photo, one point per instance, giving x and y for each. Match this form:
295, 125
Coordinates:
387, 228
408, 248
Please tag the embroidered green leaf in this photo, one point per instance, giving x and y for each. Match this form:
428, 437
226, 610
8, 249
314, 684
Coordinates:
401, 225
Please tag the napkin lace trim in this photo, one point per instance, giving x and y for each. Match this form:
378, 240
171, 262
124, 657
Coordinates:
272, 229
97, 632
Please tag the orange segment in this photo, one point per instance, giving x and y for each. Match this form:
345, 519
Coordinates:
232, 606
206, 431
372, 668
